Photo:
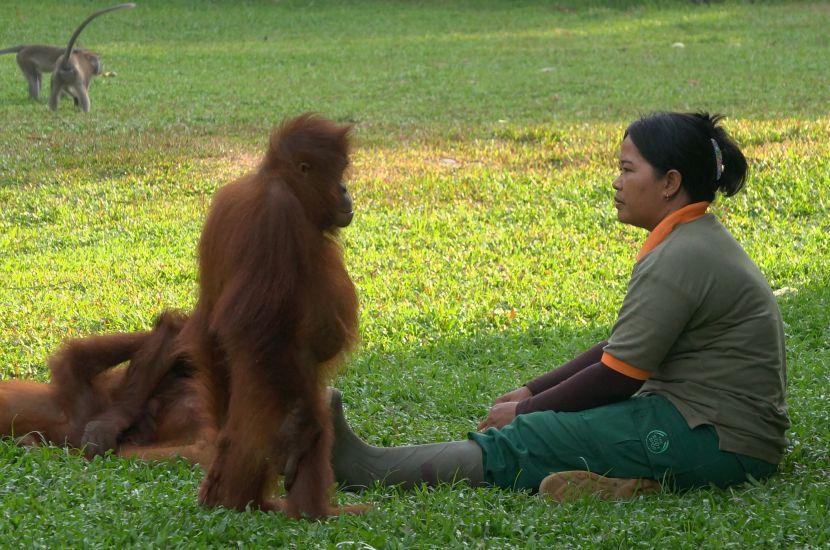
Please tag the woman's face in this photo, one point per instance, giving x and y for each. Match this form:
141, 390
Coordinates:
639, 192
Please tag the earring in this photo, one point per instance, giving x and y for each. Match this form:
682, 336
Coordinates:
668, 198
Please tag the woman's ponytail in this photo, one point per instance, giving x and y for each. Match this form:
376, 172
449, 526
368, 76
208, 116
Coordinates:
734, 166
695, 145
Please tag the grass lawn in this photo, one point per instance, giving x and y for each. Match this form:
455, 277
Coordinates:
485, 246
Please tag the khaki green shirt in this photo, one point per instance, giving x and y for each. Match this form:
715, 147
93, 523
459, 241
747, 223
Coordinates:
700, 317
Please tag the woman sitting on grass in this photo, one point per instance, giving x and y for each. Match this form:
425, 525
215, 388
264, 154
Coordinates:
687, 391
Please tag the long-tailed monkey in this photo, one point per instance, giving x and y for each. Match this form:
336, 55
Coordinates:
73, 72
72, 69
35, 59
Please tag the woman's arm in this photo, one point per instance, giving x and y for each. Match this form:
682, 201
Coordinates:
562, 373
557, 375
593, 386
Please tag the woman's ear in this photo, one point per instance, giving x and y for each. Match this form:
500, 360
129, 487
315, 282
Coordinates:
673, 183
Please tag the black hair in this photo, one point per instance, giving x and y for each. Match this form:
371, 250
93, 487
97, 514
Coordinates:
683, 142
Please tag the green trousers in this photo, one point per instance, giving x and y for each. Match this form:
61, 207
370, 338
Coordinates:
642, 437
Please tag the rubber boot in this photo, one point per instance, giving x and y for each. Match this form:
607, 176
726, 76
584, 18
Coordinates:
358, 465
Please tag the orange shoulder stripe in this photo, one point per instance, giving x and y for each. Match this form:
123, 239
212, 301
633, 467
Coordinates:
624, 368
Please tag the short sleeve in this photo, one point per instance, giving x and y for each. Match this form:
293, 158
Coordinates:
655, 311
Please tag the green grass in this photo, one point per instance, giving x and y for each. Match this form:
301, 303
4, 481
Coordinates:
485, 248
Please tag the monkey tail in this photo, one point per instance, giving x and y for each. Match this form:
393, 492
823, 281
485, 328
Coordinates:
65, 64
13, 49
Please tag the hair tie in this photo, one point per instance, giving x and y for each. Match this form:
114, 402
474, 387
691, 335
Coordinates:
718, 159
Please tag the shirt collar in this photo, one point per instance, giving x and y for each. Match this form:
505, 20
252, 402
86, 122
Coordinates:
688, 213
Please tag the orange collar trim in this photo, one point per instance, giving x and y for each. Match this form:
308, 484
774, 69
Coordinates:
688, 213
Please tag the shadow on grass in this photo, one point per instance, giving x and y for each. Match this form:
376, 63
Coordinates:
442, 385
438, 388
806, 313
69, 151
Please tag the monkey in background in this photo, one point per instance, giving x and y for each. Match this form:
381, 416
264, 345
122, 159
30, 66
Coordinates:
36, 59
72, 68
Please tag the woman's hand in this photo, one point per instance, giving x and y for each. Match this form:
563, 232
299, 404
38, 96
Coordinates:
500, 415
514, 396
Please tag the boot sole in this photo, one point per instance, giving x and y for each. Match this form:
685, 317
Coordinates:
575, 485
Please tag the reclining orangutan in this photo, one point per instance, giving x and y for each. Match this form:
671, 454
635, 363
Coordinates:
155, 390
